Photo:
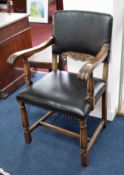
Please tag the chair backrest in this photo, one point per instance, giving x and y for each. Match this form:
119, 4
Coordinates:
81, 31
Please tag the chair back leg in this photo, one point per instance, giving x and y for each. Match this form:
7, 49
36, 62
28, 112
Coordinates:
104, 108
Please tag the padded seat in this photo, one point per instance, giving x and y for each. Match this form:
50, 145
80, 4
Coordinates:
62, 92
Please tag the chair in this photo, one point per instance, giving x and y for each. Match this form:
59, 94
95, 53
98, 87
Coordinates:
84, 36
5, 5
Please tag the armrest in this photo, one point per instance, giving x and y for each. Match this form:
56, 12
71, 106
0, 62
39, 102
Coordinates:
13, 58
87, 69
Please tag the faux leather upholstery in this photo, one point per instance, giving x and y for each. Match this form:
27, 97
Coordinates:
63, 92
81, 31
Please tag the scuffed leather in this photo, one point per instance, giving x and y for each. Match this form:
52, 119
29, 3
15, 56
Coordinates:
61, 92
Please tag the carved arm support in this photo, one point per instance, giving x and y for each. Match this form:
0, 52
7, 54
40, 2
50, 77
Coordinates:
87, 69
25, 54
86, 72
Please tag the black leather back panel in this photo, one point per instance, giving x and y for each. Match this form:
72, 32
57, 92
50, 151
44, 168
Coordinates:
81, 31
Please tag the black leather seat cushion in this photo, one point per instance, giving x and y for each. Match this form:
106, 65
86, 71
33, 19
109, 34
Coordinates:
61, 92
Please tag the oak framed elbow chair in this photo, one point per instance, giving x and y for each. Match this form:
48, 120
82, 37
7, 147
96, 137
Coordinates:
84, 36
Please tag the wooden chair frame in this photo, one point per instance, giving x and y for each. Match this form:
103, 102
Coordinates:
85, 74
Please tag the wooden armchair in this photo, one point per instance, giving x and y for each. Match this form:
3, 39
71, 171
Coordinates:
84, 36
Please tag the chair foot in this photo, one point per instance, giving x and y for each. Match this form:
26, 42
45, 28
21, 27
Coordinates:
84, 159
27, 137
105, 125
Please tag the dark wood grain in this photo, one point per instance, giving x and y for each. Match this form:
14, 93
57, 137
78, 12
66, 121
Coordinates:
59, 4
13, 37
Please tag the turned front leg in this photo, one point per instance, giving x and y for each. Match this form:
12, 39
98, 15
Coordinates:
27, 133
83, 143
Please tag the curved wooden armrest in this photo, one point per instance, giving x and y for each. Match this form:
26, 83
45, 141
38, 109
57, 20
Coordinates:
87, 69
13, 58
